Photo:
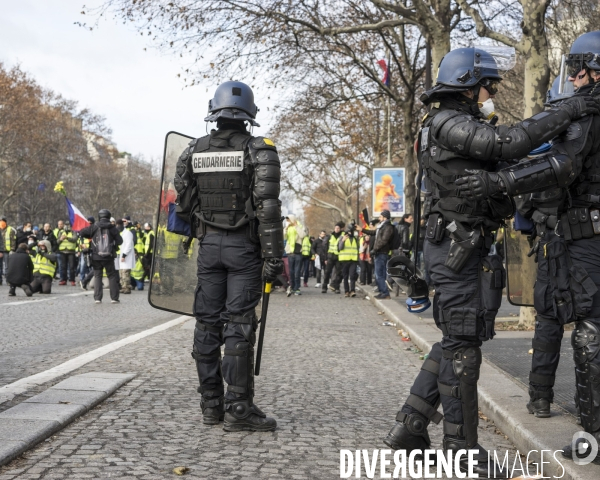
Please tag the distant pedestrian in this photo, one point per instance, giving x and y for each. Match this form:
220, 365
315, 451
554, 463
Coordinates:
382, 245
46, 233
366, 267
319, 249
105, 240
67, 249
8, 243
20, 271
126, 257
294, 234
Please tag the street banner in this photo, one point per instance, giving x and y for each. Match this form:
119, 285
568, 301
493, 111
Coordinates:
388, 191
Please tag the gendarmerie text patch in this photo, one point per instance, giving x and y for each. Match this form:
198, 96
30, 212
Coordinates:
218, 162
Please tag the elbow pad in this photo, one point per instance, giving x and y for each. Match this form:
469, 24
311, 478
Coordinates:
519, 140
538, 174
267, 175
464, 135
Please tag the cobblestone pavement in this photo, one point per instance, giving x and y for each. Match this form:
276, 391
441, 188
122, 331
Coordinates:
40, 332
332, 376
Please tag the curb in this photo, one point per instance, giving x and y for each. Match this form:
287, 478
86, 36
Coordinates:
37, 418
503, 400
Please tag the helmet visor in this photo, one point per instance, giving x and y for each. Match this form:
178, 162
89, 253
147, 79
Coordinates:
494, 61
570, 66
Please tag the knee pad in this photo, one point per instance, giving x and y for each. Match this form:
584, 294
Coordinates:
585, 341
247, 323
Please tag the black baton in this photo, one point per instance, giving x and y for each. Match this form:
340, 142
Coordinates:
263, 322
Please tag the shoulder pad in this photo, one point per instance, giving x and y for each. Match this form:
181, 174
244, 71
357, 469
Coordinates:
200, 144
442, 117
261, 143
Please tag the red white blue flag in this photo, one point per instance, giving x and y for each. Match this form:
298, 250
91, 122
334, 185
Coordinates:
386, 72
77, 219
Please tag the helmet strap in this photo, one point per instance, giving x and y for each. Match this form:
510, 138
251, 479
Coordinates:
476, 90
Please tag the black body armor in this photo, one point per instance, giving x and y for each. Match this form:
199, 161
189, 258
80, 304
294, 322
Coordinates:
229, 180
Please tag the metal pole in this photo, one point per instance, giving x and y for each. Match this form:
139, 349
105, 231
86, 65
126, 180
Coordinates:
357, 192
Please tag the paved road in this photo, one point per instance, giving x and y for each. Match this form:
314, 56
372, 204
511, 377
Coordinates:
332, 376
40, 332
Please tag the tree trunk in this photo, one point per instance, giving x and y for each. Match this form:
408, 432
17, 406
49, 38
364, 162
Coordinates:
534, 46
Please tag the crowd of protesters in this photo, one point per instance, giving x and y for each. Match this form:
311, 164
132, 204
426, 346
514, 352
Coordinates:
33, 257
347, 255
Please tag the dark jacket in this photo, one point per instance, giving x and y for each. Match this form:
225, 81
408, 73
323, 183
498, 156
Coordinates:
383, 237
23, 236
20, 268
42, 235
88, 232
319, 248
404, 232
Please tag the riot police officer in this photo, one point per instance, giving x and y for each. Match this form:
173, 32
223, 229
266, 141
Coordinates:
574, 163
544, 209
468, 284
228, 185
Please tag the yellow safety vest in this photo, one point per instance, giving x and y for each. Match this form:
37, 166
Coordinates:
306, 247
7, 233
350, 251
43, 266
171, 245
140, 243
138, 271
333, 245
69, 244
149, 241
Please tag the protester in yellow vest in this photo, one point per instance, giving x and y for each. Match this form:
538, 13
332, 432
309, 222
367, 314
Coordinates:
67, 247
44, 267
306, 257
168, 248
148, 249
137, 274
8, 243
348, 258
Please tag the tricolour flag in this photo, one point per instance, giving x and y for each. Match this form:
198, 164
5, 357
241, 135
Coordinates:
386, 72
77, 219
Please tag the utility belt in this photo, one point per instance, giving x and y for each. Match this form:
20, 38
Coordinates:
220, 231
580, 222
464, 242
543, 222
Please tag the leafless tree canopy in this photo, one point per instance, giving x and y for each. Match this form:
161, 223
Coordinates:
45, 138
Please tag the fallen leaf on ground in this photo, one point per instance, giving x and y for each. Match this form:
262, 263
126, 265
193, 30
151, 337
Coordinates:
181, 470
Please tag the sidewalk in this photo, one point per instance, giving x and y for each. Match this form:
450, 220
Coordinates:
331, 375
502, 397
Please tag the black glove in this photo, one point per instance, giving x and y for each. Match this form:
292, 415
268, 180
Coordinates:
480, 184
580, 105
273, 267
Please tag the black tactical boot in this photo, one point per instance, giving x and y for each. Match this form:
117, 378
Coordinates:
409, 433
212, 407
243, 415
540, 407
495, 471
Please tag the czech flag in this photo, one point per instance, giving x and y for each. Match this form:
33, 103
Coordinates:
386, 72
78, 221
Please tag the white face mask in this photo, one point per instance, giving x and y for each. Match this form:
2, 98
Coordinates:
487, 108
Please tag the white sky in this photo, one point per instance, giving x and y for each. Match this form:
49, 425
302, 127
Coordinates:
106, 70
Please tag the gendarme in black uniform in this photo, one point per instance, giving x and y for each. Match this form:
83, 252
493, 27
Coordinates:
468, 283
573, 162
228, 186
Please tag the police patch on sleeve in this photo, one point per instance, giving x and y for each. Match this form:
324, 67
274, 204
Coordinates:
218, 162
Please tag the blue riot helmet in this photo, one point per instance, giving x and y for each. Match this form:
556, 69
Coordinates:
404, 273
233, 101
584, 53
464, 68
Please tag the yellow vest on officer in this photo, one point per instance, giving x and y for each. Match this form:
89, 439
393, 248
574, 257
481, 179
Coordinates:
43, 266
350, 250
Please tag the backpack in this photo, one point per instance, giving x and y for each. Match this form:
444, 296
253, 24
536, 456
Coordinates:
396, 241
102, 243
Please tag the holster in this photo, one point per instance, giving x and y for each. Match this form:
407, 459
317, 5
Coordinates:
461, 250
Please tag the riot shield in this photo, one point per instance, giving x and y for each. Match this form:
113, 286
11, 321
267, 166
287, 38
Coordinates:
521, 269
173, 274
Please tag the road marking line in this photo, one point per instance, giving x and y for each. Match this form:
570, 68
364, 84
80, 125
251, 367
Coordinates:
8, 392
23, 302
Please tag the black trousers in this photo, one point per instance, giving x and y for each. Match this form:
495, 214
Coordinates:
111, 273
349, 272
552, 273
229, 284
366, 272
333, 263
459, 314
41, 284
67, 267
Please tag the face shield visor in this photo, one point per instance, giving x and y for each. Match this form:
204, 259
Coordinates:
493, 62
571, 65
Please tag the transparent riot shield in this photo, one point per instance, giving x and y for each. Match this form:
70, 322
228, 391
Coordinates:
520, 268
173, 275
